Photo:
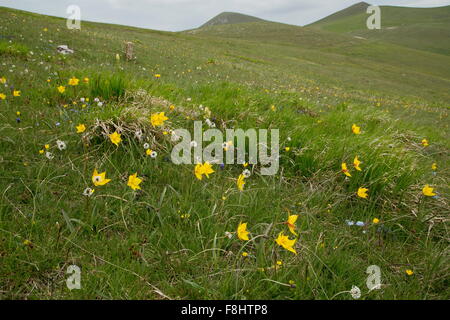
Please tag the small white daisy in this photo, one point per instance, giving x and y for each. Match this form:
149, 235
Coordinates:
88, 192
355, 292
61, 145
49, 155
246, 173
146, 146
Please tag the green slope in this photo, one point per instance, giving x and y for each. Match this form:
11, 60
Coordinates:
230, 18
418, 28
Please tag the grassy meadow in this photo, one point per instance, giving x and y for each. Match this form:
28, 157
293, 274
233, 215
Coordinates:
176, 237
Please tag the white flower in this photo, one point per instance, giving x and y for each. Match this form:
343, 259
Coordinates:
355, 292
61, 145
100, 104
193, 144
154, 154
146, 146
246, 173
49, 155
88, 192
229, 235
82, 99
96, 100
138, 134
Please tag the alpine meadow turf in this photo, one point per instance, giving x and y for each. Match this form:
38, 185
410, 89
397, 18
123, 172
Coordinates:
172, 235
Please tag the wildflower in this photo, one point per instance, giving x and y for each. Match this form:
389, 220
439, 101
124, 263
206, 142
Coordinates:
146, 146
273, 108
355, 292
115, 138
172, 107
203, 169
227, 145
228, 234
41, 151
86, 80
362, 192
99, 179
81, 128
193, 144
345, 169
425, 143
434, 166
2, 96
61, 89
16, 93
286, 243
61, 145
279, 262
88, 192
241, 182
291, 223
292, 283
246, 173
27, 242
49, 155
245, 165
375, 220
2, 80
356, 163
428, 191
409, 272
242, 232
157, 119
287, 149
134, 182
157, 75
73, 81
138, 134
245, 254
356, 129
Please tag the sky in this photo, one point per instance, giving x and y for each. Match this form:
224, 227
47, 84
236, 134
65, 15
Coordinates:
177, 15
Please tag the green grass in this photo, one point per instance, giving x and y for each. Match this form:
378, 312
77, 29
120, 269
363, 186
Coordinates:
137, 245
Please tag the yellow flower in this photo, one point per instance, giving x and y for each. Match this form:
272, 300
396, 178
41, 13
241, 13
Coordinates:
203, 169
86, 80
273, 108
291, 223
286, 243
409, 272
241, 182
99, 179
2, 96
242, 232
157, 75
428, 191
356, 129
244, 254
345, 169
16, 93
47, 146
73, 81
157, 119
425, 143
61, 89
115, 138
80, 128
2, 80
41, 151
245, 165
434, 166
18, 113
172, 107
134, 182
279, 262
375, 220
27, 242
362, 192
287, 149
356, 163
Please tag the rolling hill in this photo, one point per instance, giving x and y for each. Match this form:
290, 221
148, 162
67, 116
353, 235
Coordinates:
230, 18
425, 29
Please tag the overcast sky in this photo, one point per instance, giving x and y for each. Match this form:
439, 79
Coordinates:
177, 15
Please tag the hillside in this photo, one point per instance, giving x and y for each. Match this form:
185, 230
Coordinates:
87, 176
418, 28
230, 18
